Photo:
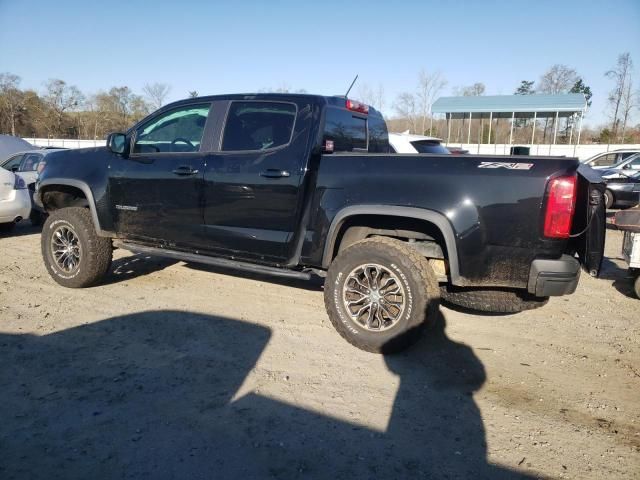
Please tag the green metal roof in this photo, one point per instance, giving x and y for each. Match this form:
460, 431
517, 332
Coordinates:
568, 102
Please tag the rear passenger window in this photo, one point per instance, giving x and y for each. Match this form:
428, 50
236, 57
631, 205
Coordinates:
258, 125
347, 130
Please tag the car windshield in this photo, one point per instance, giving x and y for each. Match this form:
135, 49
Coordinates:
429, 146
630, 159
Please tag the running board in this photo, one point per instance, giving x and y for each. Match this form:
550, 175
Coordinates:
215, 261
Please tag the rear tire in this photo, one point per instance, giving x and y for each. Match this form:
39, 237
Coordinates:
492, 300
608, 199
37, 218
381, 312
75, 256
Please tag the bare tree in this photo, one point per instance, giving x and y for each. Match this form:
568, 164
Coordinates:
628, 103
371, 96
405, 106
61, 98
621, 75
156, 93
558, 79
429, 86
193, 93
475, 90
11, 98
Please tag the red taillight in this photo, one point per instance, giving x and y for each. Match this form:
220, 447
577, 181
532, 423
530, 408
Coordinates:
357, 106
561, 203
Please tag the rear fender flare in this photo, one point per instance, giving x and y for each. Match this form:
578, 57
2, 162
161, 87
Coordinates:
437, 219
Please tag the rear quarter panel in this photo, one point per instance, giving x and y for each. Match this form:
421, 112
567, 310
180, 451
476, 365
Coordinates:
495, 213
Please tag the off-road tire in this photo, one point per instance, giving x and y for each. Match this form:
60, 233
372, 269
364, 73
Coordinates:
7, 227
608, 199
95, 252
416, 277
491, 300
636, 286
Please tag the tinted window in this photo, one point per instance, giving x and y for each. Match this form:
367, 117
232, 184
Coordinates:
635, 163
12, 162
258, 125
378, 135
30, 162
627, 154
429, 146
347, 130
178, 130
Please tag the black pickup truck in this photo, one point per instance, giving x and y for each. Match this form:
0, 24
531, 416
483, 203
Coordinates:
295, 185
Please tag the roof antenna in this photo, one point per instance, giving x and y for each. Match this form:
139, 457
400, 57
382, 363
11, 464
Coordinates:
351, 86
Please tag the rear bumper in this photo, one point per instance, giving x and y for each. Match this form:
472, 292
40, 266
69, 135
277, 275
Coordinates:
551, 278
16, 206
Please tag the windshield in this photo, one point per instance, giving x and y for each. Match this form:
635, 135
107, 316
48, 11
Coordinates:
430, 146
633, 158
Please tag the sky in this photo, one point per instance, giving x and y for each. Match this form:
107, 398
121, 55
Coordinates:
245, 46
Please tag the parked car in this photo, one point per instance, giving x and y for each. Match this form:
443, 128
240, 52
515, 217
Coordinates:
293, 184
27, 165
408, 143
15, 201
629, 164
609, 159
457, 150
623, 191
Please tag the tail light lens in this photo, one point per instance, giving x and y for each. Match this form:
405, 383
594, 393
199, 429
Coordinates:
19, 183
561, 203
357, 106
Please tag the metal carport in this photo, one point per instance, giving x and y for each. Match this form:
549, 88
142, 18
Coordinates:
512, 107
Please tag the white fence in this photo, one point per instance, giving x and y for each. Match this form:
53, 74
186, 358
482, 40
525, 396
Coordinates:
580, 151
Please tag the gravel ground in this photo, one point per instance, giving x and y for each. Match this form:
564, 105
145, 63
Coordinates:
170, 370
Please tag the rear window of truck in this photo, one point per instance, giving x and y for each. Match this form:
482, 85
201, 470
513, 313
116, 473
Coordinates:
347, 130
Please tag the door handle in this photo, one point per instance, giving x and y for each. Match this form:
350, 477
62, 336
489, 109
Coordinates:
275, 173
184, 170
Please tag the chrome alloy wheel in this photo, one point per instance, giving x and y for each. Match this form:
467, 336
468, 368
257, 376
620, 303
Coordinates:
65, 248
374, 297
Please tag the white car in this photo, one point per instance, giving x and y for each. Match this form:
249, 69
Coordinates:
408, 143
15, 200
28, 164
621, 169
605, 160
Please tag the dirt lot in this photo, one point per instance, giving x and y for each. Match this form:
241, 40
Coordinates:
171, 370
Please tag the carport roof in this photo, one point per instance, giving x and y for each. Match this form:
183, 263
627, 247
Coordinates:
568, 102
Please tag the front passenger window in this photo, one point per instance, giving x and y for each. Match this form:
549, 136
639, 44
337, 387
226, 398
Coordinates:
178, 131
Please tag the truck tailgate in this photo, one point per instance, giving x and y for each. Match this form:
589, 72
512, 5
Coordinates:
589, 226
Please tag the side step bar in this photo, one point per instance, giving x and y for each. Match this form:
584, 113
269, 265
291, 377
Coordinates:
215, 261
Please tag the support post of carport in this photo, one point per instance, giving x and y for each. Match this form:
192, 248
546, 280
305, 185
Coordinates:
555, 131
448, 116
469, 134
533, 130
513, 118
430, 126
579, 132
490, 125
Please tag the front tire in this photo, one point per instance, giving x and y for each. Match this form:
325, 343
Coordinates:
379, 295
75, 256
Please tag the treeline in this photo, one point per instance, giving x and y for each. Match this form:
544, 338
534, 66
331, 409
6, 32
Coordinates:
61, 110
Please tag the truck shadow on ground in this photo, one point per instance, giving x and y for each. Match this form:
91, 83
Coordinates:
151, 395
136, 265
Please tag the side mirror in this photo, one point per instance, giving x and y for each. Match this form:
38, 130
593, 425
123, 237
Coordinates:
626, 167
15, 168
117, 142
